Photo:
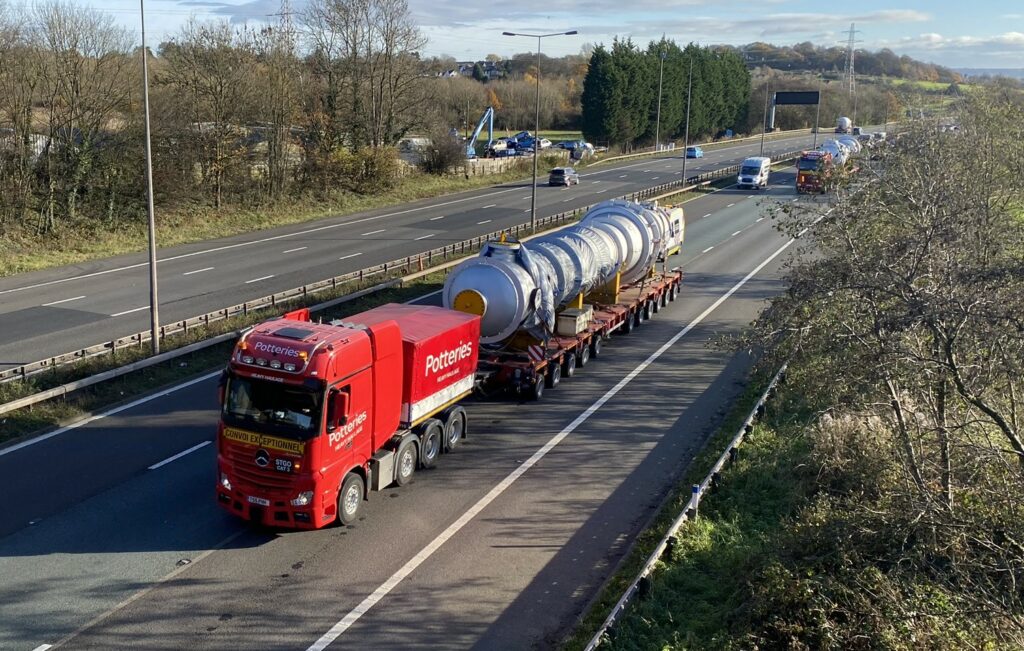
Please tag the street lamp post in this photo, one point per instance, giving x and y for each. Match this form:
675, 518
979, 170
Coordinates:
657, 125
536, 128
154, 306
817, 115
764, 118
686, 131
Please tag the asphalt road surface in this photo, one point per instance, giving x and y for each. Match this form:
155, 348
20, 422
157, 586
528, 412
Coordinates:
59, 310
112, 537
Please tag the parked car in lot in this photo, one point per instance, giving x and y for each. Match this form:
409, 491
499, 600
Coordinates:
694, 152
544, 143
563, 176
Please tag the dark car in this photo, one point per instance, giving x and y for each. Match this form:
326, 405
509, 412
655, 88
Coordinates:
563, 176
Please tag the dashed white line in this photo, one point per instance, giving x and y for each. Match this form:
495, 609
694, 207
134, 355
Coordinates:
760, 218
301, 248
595, 181
527, 210
423, 237
707, 215
381, 230
137, 309
486, 221
655, 178
527, 198
801, 233
350, 255
434, 219
730, 205
371, 600
490, 205
179, 455
256, 280
736, 233
42, 647
600, 191
199, 271
65, 300
566, 200
707, 249
624, 176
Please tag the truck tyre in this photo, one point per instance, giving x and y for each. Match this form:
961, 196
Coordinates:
431, 442
640, 316
537, 390
584, 356
628, 324
672, 294
570, 365
454, 428
647, 311
350, 498
553, 376
664, 299
656, 304
405, 462
595, 346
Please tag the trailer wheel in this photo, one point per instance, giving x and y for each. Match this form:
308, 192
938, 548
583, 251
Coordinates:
405, 462
350, 498
454, 428
628, 324
664, 299
640, 316
537, 390
554, 376
656, 303
570, 365
595, 346
584, 356
647, 311
431, 442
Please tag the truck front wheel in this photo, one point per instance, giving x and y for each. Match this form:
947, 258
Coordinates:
350, 498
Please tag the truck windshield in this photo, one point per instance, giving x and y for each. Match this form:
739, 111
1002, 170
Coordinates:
809, 164
280, 408
750, 170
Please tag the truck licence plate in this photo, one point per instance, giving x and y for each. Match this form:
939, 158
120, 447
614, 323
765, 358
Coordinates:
258, 500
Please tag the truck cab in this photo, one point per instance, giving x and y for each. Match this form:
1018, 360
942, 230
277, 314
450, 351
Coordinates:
314, 415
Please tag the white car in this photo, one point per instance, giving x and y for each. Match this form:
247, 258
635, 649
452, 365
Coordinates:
544, 143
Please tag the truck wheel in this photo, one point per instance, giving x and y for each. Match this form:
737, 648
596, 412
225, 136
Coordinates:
640, 316
655, 305
431, 442
350, 498
647, 311
595, 346
537, 390
454, 428
664, 299
405, 462
570, 365
672, 294
628, 324
554, 376
584, 356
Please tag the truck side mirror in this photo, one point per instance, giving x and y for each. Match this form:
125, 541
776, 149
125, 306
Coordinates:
337, 409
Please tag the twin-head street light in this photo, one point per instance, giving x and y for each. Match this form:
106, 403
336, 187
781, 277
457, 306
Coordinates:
536, 128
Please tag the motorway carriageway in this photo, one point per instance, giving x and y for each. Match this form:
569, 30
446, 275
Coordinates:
55, 311
113, 539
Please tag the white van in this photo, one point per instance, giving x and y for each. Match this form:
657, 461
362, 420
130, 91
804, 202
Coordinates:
754, 172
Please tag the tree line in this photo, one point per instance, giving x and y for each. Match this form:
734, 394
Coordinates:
809, 57
620, 102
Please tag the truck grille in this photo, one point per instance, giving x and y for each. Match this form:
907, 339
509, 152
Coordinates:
265, 480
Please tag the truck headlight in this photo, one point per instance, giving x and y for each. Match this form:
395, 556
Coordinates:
225, 482
303, 498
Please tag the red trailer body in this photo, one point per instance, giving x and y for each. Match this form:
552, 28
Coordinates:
316, 414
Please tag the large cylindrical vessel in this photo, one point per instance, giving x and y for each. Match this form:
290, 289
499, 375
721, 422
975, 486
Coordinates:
635, 223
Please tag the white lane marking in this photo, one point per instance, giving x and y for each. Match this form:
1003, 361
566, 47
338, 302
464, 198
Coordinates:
42, 647
707, 249
197, 271
566, 200
434, 219
647, 171
350, 255
425, 296
624, 176
527, 210
595, 181
111, 412
256, 280
64, 300
736, 233
793, 199
655, 178
527, 198
403, 572
137, 309
730, 205
381, 230
486, 221
801, 233
490, 205
180, 455
600, 191
707, 215
423, 237
760, 218
301, 248
227, 247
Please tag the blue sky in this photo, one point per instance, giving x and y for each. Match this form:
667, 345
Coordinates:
975, 33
